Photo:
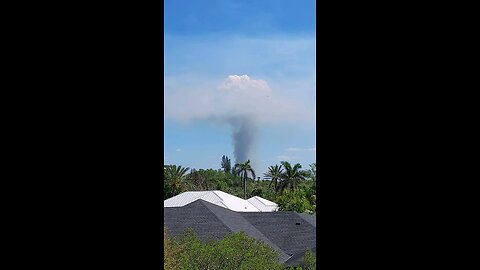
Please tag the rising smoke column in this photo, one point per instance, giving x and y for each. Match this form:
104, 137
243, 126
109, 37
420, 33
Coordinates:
243, 103
244, 135
242, 95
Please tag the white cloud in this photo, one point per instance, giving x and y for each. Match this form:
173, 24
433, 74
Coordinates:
237, 95
178, 150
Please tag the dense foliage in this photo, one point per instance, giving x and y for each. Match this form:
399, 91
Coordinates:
309, 261
235, 251
295, 201
292, 188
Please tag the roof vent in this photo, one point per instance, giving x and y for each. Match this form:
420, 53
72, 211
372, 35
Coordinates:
297, 223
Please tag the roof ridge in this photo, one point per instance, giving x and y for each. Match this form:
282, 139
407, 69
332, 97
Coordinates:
208, 193
218, 196
231, 195
192, 202
205, 203
267, 202
227, 221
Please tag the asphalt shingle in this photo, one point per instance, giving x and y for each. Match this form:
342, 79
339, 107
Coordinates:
287, 230
237, 223
196, 216
289, 233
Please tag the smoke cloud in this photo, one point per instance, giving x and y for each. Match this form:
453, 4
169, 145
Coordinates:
241, 102
244, 136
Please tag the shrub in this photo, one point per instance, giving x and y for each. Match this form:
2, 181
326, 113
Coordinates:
294, 201
235, 251
169, 260
309, 260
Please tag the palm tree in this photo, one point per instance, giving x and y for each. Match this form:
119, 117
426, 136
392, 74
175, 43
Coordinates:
291, 177
274, 174
175, 175
226, 164
243, 169
313, 169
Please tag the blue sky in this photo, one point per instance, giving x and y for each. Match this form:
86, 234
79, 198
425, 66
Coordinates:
254, 59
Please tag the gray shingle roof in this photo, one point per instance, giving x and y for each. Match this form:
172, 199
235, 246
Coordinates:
287, 230
289, 233
195, 216
309, 218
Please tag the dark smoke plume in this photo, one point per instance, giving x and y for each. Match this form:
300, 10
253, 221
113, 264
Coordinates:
243, 137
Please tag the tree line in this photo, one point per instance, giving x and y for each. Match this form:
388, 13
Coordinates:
288, 185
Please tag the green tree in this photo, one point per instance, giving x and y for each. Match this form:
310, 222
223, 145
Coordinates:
243, 169
292, 176
294, 201
174, 176
216, 179
226, 164
197, 181
313, 170
274, 174
169, 260
256, 192
234, 251
309, 260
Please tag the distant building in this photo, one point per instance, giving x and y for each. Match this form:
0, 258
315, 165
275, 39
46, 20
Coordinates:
225, 200
263, 205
